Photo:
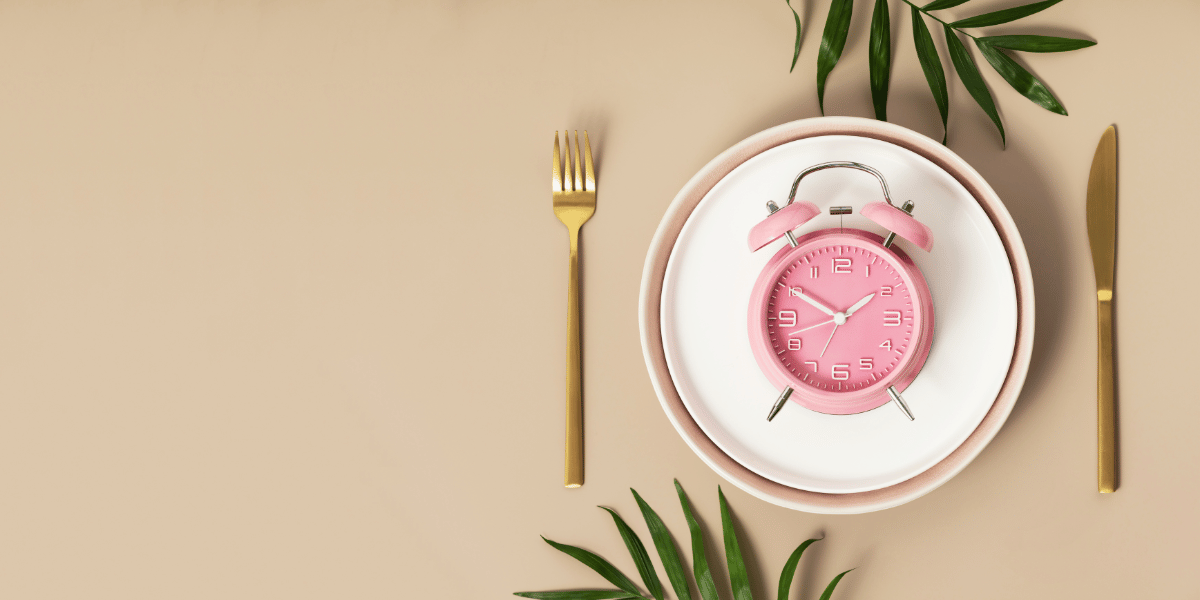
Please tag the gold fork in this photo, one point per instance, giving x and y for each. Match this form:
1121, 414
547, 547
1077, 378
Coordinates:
574, 203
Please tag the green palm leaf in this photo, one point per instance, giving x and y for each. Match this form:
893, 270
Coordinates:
789, 569
969, 74
704, 580
578, 595
1004, 16
739, 580
599, 565
940, 4
1022, 80
799, 30
1035, 43
638, 552
667, 553
880, 60
833, 40
931, 64
832, 584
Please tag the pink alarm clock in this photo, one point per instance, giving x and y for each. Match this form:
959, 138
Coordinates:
841, 320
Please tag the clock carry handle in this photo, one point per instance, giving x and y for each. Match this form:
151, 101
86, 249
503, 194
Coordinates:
847, 165
897, 220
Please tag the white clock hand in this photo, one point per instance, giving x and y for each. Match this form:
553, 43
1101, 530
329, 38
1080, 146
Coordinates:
835, 326
798, 331
859, 304
817, 305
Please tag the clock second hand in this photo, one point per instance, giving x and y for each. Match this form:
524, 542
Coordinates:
799, 331
835, 326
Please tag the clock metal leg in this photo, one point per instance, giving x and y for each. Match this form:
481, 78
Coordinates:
783, 398
899, 401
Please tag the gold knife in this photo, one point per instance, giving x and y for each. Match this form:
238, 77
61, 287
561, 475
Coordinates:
1102, 234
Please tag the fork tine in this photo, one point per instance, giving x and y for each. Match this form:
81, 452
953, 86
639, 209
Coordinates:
578, 171
589, 181
556, 185
568, 184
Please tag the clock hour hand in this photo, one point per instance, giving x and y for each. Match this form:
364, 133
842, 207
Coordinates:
859, 304
817, 305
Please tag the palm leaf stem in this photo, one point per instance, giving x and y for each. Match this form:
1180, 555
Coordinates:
931, 16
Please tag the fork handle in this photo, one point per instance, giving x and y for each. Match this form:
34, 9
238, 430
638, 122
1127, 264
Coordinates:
574, 452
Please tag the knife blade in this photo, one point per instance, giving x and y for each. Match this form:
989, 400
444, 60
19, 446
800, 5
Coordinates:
1102, 236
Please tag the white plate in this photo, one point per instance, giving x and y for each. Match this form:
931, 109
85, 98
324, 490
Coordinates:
706, 291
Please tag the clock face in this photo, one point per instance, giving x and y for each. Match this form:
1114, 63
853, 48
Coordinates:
843, 317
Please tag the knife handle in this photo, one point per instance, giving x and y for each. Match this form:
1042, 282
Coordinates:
1105, 411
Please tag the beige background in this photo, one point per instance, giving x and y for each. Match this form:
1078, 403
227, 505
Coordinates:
282, 307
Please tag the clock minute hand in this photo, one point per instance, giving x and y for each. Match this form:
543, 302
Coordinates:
859, 304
